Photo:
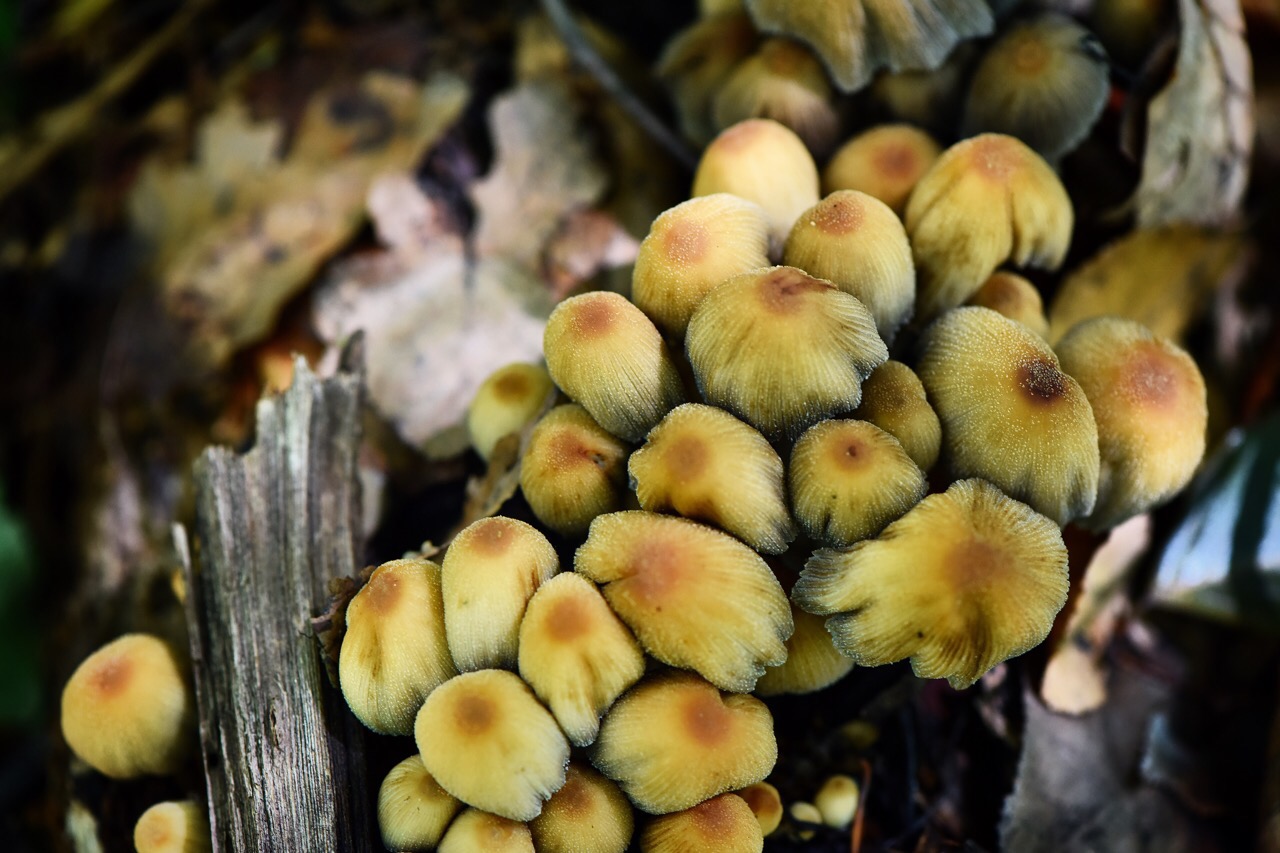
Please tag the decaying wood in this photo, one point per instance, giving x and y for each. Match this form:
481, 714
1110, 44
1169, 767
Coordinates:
283, 758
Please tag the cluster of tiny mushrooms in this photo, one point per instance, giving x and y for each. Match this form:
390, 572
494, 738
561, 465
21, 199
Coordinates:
761, 497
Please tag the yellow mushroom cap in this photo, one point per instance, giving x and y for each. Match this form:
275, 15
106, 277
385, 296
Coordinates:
966, 579
813, 662
893, 399
476, 831
986, 200
705, 464
1148, 399
608, 356
173, 827
1016, 298
576, 655
590, 814
785, 82
1009, 414
697, 61
856, 38
764, 162
690, 249
509, 398
573, 470
394, 651
765, 803
675, 740
695, 597
885, 162
1045, 81
837, 801
857, 243
127, 711
848, 479
723, 824
490, 571
782, 349
413, 810
486, 739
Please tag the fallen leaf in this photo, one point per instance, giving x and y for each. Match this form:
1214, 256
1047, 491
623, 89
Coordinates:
1189, 263
1195, 167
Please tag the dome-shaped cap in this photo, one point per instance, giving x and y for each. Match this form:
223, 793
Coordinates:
893, 399
573, 470
173, 827
590, 814
885, 162
1013, 296
723, 824
785, 82
509, 398
477, 831
813, 662
413, 810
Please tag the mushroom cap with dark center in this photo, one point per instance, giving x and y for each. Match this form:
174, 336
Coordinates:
573, 470
885, 162
894, 399
476, 830
413, 810
590, 814
509, 398
1016, 298
723, 824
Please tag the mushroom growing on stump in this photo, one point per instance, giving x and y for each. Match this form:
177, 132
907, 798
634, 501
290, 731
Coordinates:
675, 740
1009, 414
690, 249
576, 655
986, 200
885, 162
705, 464
893, 399
127, 710
394, 651
509, 398
173, 827
573, 470
694, 597
858, 244
723, 824
485, 739
590, 814
608, 357
782, 349
489, 573
413, 810
965, 580
1148, 399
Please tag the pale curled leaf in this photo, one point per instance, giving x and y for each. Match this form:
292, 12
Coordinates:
1200, 127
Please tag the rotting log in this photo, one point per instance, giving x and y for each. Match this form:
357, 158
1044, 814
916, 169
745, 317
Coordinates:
283, 760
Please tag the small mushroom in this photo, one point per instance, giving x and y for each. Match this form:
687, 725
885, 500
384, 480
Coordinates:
675, 740
696, 63
413, 810
966, 579
723, 824
1016, 298
505, 402
885, 162
1009, 413
764, 162
785, 82
837, 801
857, 243
1149, 402
573, 470
848, 479
705, 464
576, 655
489, 573
893, 399
813, 662
690, 249
485, 739
694, 597
986, 200
608, 356
127, 710
477, 831
782, 350
590, 814
394, 651
173, 827
1045, 81
765, 803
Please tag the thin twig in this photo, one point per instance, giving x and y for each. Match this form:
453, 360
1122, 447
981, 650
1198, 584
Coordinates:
588, 58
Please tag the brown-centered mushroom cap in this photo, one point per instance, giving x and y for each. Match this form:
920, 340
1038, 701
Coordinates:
590, 814
576, 654
675, 740
489, 573
609, 357
486, 739
785, 82
703, 463
782, 349
509, 398
893, 399
394, 650
966, 579
694, 597
1009, 413
858, 244
413, 810
765, 803
478, 831
885, 162
1013, 296
573, 470
723, 824
173, 827
813, 662
1149, 402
